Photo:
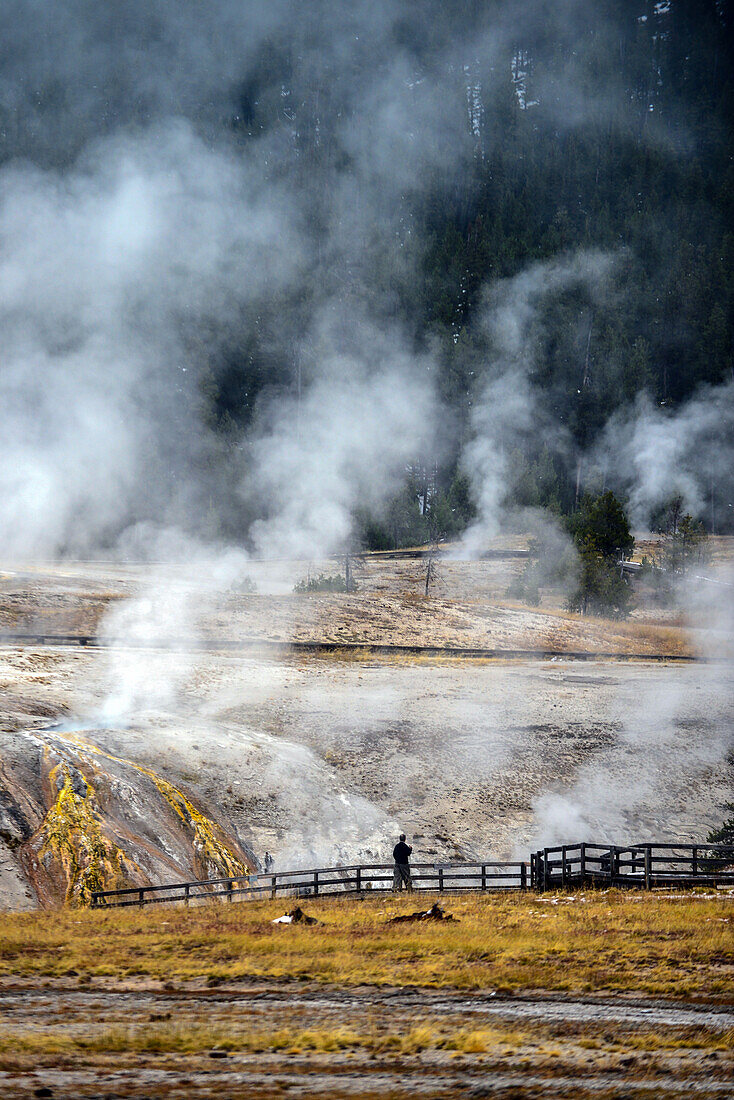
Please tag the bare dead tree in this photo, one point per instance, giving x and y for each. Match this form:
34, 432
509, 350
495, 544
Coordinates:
431, 567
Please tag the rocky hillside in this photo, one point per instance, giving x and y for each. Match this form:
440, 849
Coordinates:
75, 818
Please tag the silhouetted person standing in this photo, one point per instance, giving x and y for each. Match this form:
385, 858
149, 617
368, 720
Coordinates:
401, 855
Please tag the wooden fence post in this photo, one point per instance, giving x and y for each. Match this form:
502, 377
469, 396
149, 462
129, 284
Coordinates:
272, 886
546, 874
358, 880
648, 867
440, 880
141, 900
563, 865
315, 882
694, 861
186, 894
523, 876
484, 876
582, 863
230, 886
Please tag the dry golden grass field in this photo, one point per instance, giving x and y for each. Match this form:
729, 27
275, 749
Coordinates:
579, 994
636, 943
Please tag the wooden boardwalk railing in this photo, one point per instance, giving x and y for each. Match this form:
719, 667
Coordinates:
570, 865
325, 882
641, 865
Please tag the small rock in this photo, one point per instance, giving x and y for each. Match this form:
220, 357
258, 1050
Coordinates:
43, 1091
217, 1053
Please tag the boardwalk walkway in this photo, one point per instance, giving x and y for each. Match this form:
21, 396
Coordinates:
645, 866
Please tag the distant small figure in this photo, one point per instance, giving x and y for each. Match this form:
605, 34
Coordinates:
268, 862
401, 854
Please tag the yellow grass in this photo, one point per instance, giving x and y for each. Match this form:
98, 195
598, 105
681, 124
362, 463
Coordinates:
192, 1038
613, 635
673, 947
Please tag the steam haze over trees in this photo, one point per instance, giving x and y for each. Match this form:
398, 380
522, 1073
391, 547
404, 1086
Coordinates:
296, 276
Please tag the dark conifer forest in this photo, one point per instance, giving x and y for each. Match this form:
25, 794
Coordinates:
527, 210
605, 129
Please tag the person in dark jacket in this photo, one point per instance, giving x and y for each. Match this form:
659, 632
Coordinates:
401, 855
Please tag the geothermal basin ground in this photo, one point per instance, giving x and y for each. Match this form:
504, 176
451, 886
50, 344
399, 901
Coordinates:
155, 756
186, 760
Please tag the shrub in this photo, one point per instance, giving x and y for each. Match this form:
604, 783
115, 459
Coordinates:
323, 583
244, 586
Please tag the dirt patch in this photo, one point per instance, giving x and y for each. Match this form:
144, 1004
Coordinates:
195, 1042
468, 608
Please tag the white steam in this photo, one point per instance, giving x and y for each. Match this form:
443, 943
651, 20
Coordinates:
130, 243
508, 410
679, 739
344, 444
656, 454
104, 272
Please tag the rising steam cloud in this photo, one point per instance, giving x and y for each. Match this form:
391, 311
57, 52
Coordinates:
137, 237
108, 271
655, 454
345, 443
159, 192
508, 409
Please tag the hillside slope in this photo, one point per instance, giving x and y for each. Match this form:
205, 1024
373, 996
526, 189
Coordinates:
75, 818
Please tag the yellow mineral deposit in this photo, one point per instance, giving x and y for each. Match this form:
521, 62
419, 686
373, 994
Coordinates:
72, 836
75, 845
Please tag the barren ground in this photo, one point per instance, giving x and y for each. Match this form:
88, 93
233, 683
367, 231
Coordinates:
467, 607
321, 759
366, 1044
